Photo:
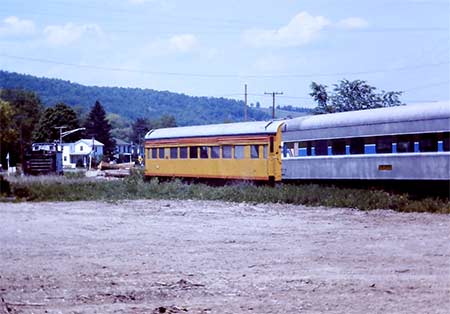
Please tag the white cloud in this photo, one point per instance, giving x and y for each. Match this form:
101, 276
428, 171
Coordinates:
60, 35
183, 43
301, 30
352, 23
177, 44
13, 26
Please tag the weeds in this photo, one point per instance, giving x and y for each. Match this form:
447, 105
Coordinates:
74, 188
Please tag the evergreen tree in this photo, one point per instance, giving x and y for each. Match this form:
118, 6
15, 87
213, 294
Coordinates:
59, 115
98, 127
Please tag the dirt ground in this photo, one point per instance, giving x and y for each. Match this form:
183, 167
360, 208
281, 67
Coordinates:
216, 257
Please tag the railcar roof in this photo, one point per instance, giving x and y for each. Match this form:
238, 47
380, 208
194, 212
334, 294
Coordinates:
226, 129
415, 112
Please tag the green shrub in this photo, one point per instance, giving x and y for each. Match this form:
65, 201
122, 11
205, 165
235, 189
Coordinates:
73, 188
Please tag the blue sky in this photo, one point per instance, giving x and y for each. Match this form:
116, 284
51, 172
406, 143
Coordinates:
213, 48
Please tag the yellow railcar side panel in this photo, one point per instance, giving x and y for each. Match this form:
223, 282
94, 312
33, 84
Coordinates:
255, 169
246, 168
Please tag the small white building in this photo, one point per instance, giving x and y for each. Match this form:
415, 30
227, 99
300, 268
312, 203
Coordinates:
80, 152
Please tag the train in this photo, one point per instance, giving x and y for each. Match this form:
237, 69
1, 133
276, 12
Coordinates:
402, 143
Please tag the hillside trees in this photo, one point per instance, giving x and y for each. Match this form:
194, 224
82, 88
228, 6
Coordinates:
186, 109
351, 95
98, 127
53, 117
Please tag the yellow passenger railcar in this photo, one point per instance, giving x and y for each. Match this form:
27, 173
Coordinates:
244, 151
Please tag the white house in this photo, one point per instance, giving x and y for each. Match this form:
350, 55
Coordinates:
80, 152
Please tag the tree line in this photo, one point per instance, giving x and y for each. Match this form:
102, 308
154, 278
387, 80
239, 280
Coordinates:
24, 120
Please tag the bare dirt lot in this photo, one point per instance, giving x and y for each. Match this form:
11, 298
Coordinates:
215, 257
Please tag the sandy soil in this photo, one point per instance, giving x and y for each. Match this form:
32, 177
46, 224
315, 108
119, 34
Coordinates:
215, 257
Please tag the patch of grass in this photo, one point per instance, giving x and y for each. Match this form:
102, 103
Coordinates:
61, 188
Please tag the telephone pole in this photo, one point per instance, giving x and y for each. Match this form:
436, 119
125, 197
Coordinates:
245, 102
273, 101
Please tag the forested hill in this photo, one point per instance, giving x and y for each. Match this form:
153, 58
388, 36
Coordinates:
133, 102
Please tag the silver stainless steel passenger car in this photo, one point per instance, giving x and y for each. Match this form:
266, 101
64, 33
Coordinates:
397, 143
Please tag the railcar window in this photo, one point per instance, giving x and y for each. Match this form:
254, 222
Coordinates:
446, 144
321, 148
305, 149
384, 145
161, 152
288, 149
173, 152
271, 144
193, 152
254, 151
239, 152
405, 146
149, 153
226, 151
215, 152
356, 146
154, 153
183, 152
203, 152
265, 151
428, 143
338, 147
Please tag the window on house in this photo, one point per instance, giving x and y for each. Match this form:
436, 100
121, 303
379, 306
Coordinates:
81, 148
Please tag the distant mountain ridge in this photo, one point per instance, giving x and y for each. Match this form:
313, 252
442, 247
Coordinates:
133, 102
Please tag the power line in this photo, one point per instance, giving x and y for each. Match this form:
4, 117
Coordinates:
206, 75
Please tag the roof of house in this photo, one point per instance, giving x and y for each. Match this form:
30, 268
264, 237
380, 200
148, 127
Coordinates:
121, 142
89, 142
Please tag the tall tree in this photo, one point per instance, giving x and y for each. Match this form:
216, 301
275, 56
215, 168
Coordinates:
98, 127
352, 95
319, 93
139, 128
57, 116
8, 132
27, 108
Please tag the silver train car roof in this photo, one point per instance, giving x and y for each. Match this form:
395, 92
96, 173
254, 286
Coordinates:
225, 129
427, 117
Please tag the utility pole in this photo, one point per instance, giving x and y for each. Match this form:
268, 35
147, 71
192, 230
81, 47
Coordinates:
60, 132
245, 102
273, 101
